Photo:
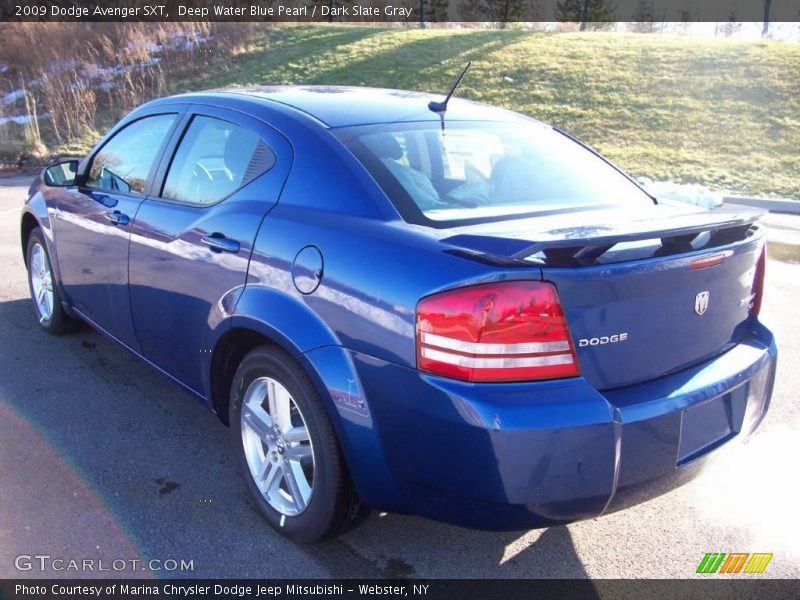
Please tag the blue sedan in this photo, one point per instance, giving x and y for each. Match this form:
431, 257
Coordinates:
448, 310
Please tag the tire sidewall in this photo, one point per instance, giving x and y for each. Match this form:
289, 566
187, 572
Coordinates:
314, 522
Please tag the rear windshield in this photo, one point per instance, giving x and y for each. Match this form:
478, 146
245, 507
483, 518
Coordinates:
485, 170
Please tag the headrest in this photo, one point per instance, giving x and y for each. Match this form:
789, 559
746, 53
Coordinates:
384, 145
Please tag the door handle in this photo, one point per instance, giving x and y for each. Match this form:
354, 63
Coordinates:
118, 218
219, 243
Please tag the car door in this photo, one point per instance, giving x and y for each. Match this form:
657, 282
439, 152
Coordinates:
93, 221
192, 238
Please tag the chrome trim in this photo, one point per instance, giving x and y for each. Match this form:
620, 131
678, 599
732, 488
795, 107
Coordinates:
701, 302
440, 341
496, 363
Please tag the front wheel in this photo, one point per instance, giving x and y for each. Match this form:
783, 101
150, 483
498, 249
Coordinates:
44, 291
287, 451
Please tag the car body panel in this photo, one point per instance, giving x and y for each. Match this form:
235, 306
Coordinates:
546, 453
342, 106
40, 206
652, 302
94, 276
176, 280
368, 309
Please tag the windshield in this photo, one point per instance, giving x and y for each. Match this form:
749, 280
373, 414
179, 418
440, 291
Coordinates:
482, 170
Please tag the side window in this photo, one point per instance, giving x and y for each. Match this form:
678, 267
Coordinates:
124, 162
214, 159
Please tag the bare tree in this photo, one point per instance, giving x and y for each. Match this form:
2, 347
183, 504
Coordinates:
644, 16
767, 8
731, 25
114, 65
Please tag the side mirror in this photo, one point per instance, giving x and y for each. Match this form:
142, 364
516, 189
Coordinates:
61, 174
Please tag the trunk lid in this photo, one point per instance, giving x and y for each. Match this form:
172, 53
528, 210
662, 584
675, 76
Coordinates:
646, 293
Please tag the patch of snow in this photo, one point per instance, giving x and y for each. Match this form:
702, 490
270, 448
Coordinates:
59, 66
693, 193
12, 97
106, 78
22, 119
187, 40
146, 45
93, 71
147, 63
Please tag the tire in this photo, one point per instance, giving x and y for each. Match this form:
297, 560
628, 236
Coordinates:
45, 295
287, 451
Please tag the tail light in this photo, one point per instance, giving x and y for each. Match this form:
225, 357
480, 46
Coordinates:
758, 282
508, 331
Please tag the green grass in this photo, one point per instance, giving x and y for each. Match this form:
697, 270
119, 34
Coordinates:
718, 112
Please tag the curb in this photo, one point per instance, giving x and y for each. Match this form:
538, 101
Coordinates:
770, 204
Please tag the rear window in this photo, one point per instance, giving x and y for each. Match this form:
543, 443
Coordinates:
484, 170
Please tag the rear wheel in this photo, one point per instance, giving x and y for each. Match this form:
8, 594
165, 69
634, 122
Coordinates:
44, 292
287, 451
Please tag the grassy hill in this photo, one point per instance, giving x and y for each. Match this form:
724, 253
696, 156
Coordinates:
719, 112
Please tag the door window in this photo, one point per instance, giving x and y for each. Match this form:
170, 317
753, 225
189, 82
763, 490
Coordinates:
214, 159
124, 162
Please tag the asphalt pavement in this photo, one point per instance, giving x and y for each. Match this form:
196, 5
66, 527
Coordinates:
103, 459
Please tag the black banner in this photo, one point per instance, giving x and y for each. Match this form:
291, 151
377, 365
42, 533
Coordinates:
582, 11
713, 588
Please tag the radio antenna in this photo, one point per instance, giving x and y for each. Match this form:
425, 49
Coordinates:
440, 107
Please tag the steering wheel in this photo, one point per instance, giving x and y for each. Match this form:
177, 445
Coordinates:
200, 177
199, 168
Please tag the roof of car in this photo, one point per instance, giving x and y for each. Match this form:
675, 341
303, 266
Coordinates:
339, 106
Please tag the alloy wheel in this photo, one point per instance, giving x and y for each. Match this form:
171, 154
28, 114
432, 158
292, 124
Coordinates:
277, 446
41, 282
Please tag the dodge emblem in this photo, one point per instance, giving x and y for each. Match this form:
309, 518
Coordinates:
701, 303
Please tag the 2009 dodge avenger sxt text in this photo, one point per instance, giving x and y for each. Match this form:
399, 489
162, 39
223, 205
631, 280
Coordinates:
450, 311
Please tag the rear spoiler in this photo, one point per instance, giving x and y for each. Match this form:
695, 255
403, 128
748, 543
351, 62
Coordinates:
577, 247
675, 240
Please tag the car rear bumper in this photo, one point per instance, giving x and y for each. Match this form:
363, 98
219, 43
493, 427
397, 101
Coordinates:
515, 456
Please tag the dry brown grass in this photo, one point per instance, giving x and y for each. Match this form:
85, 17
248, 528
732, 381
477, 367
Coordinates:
87, 76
